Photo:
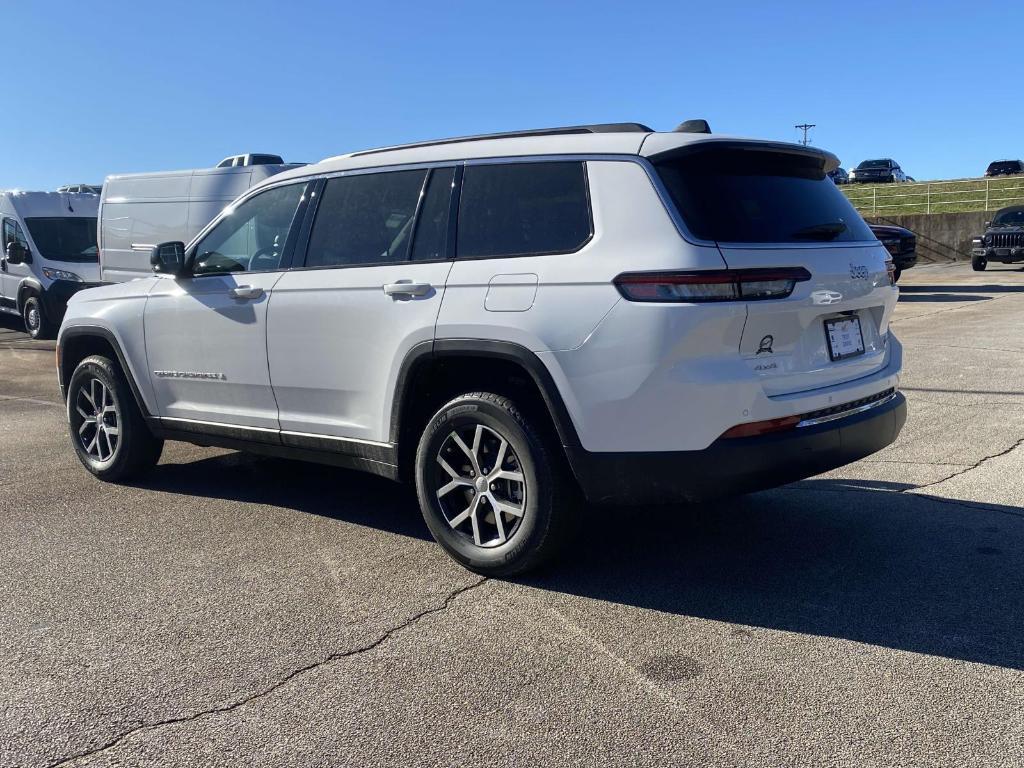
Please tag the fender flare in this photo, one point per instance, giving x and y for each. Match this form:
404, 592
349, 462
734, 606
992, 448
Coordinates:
426, 351
107, 335
28, 284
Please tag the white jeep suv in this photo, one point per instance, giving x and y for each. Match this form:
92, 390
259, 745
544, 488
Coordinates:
513, 322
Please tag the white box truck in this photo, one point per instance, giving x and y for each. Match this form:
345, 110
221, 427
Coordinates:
48, 254
139, 210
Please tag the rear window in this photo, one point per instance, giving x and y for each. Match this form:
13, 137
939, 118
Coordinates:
873, 164
523, 209
365, 219
1007, 165
753, 196
64, 238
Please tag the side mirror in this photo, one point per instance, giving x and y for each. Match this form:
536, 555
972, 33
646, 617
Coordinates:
988, 224
168, 258
18, 253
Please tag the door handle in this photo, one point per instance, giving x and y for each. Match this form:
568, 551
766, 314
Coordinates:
245, 292
407, 289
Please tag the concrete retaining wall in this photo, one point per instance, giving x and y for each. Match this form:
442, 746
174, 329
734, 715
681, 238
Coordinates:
940, 236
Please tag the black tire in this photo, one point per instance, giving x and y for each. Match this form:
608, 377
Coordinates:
37, 324
116, 455
896, 274
978, 263
547, 499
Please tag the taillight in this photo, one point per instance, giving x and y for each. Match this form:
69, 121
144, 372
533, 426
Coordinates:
753, 428
711, 285
890, 267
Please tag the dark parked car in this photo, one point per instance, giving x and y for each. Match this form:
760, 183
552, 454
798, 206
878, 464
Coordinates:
1004, 168
901, 244
1003, 239
882, 171
839, 176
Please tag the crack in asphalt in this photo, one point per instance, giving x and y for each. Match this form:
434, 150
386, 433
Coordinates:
336, 656
971, 468
35, 400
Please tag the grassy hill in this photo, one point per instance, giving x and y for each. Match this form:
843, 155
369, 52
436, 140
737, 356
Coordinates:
936, 196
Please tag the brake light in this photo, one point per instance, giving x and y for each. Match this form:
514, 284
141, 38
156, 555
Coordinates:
890, 267
711, 285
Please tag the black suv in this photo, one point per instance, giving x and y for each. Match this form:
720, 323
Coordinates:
901, 244
882, 171
1003, 239
1004, 168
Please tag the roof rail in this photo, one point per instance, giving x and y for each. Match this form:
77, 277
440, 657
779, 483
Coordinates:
597, 128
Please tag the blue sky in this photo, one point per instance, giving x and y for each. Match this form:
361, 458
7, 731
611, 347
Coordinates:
110, 87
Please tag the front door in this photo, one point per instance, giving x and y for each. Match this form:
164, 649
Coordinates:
370, 289
11, 275
206, 334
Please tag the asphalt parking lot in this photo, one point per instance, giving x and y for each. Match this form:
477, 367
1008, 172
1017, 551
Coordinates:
233, 610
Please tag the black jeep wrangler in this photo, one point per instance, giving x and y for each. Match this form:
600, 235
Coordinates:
1003, 239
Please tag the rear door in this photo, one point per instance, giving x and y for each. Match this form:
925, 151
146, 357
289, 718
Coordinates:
776, 208
370, 289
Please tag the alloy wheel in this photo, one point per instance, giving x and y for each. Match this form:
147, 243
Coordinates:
99, 430
480, 485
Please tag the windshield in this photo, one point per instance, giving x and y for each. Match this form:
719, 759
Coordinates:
64, 238
1013, 217
873, 164
743, 196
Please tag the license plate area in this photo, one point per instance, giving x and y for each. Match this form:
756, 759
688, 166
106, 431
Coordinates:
844, 338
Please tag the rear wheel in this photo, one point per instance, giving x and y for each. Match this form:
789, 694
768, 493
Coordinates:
37, 324
108, 432
978, 263
492, 488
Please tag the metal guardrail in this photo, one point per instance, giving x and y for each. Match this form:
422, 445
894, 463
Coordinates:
933, 197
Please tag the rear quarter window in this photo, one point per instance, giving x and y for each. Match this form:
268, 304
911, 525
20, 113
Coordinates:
755, 196
523, 209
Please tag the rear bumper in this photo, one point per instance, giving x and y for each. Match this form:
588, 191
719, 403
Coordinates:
739, 465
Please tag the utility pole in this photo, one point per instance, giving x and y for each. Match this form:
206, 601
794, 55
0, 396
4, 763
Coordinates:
805, 127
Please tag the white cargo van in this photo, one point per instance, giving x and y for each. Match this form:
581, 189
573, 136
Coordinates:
139, 210
48, 254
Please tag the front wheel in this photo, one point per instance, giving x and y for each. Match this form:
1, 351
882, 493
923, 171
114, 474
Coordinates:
896, 274
107, 429
37, 324
492, 487
978, 263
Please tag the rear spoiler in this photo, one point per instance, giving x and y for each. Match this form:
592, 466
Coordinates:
829, 162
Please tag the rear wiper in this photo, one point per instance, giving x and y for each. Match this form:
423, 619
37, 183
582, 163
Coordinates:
821, 231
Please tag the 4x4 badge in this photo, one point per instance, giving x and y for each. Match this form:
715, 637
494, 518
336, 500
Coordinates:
766, 344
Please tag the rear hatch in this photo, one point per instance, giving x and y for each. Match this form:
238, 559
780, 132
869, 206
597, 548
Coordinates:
772, 206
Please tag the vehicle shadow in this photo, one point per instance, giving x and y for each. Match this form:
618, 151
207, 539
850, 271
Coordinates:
316, 489
940, 297
838, 558
918, 288
849, 559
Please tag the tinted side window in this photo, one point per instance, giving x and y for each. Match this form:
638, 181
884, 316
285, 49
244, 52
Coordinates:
432, 224
518, 209
253, 236
365, 219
